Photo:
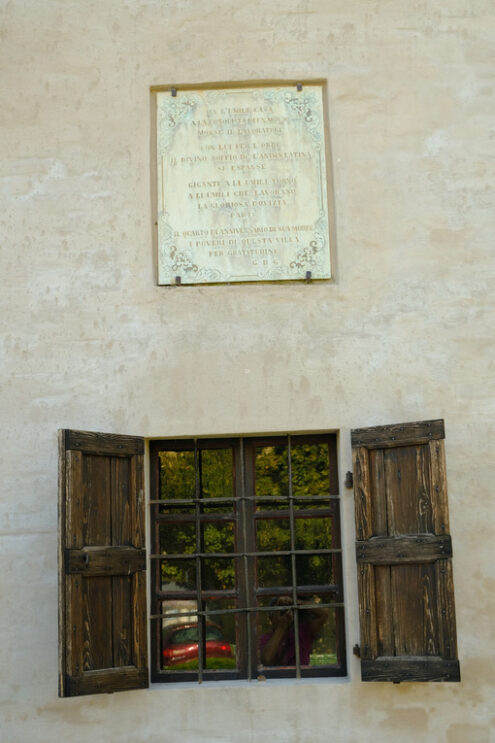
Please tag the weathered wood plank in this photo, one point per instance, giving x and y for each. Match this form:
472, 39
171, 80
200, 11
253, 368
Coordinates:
364, 529
439, 487
139, 620
431, 630
137, 499
383, 599
362, 493
103, 590
446, 609
122, 635
408, 548
105, 560
408, 488
367, 611
406, 598
107, 680
398, 434
62, 608
97, 623
95, 516
103, 443
74, 640
410, 669
122, 491
74, 512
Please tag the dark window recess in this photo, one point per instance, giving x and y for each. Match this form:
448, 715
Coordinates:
246, 575
405, 584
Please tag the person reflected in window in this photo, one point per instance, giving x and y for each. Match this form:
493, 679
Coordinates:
278, 648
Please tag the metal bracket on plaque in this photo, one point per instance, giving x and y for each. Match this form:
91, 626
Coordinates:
173, 92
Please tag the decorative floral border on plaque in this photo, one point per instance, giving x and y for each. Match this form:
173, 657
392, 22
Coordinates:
301, 107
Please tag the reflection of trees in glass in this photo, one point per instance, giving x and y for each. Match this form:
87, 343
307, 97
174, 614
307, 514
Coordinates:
313, 534
310, 534
310, 477
178, 481
272, 534
274, 571
177, 477
182, 573
216, 473
176, 540
272, 471
310, 470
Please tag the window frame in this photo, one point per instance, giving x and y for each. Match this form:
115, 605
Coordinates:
245, 594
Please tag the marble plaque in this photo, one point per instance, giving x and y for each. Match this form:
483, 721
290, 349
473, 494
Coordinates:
242, 185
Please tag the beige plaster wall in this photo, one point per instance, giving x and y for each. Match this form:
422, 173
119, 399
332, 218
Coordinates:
89, 341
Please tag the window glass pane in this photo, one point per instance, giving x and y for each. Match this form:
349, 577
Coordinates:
218, 536
217, 479
323, 649
272, 535
218, 574
313, 534
314, 570
310, 469
271, 473
177, 475
274, 571
209, 535
276, 633
177, 538
178, 612
221, 637
178, 644
178, 575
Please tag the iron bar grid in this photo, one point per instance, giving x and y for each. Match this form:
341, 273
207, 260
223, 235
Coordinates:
247, 509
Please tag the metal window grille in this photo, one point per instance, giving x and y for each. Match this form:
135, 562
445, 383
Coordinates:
245, 535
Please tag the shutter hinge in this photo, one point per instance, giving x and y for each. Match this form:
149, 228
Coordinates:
349, 480
356, 651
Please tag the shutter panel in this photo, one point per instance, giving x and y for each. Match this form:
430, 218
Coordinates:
405, 585
102, 564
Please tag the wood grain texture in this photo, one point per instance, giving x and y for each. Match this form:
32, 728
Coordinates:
410, 669
103, 558
362, 493
103, 443
446, 609
61, 514
415, 548
406, 599
438, 470
398, 433
108, 680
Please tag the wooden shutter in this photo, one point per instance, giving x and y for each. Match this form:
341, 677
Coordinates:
403, 549
102, 562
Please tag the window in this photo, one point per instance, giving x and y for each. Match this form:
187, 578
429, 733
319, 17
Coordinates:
246, 559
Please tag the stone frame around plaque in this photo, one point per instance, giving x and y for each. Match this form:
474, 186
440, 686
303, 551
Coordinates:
242, 183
